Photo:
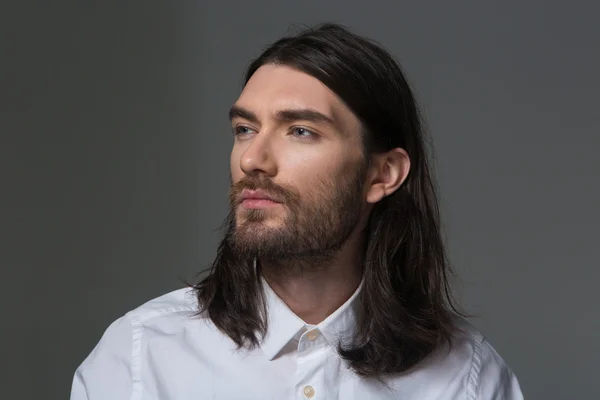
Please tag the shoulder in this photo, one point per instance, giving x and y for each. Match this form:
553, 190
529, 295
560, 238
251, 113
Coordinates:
163, 313
467, 368
485, 373
116, 357
166, 314
181, 301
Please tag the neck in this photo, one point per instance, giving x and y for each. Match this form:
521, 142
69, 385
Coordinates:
314, 288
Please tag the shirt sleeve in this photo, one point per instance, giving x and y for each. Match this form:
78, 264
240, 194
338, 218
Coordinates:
106, 374
495, 380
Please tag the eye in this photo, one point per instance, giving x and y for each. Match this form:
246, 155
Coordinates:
242, 130
302, 132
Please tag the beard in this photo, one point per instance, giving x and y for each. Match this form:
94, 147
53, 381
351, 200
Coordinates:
299, 230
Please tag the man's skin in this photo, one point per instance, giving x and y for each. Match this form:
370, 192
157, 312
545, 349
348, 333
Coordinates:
308, 157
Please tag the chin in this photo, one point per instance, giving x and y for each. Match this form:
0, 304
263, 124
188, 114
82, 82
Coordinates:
256, 216
263, 227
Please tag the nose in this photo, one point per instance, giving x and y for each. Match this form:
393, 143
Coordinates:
258, 157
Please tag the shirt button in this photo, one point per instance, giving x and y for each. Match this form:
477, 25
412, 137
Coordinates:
312, 335
309, 391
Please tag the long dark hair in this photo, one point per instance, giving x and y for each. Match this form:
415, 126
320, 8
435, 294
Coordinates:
406, 310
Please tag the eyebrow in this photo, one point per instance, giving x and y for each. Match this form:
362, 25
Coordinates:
289, 115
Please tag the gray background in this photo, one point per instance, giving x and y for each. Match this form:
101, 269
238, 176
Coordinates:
115, 146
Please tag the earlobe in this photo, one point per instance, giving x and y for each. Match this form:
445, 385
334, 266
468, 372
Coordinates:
376, 193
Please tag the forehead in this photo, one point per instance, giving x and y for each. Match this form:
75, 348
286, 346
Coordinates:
277, 87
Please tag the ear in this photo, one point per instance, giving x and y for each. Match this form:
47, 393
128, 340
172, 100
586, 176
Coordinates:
387, 173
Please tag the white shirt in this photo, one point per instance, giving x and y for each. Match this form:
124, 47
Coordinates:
161, 351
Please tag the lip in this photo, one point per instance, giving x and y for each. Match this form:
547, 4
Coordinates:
257, 195
257, 199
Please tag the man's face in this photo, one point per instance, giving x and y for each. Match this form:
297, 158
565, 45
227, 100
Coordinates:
297, 167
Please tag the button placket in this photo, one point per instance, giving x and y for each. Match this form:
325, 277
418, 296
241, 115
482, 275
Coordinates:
312, 360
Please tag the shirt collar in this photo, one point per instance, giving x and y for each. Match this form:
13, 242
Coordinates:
284, 325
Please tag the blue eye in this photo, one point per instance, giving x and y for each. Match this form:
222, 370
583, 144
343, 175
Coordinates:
302, 132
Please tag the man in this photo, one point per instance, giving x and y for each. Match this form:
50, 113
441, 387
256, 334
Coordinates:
331, 280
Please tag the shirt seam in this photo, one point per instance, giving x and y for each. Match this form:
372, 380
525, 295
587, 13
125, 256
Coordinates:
136, 373
137, 329
474, 373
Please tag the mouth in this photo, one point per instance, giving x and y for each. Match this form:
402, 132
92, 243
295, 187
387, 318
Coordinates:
254, 199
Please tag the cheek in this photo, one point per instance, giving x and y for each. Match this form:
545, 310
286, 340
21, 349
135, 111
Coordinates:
312, 175
323, 158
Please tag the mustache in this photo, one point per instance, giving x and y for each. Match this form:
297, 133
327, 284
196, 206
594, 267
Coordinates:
281, 192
